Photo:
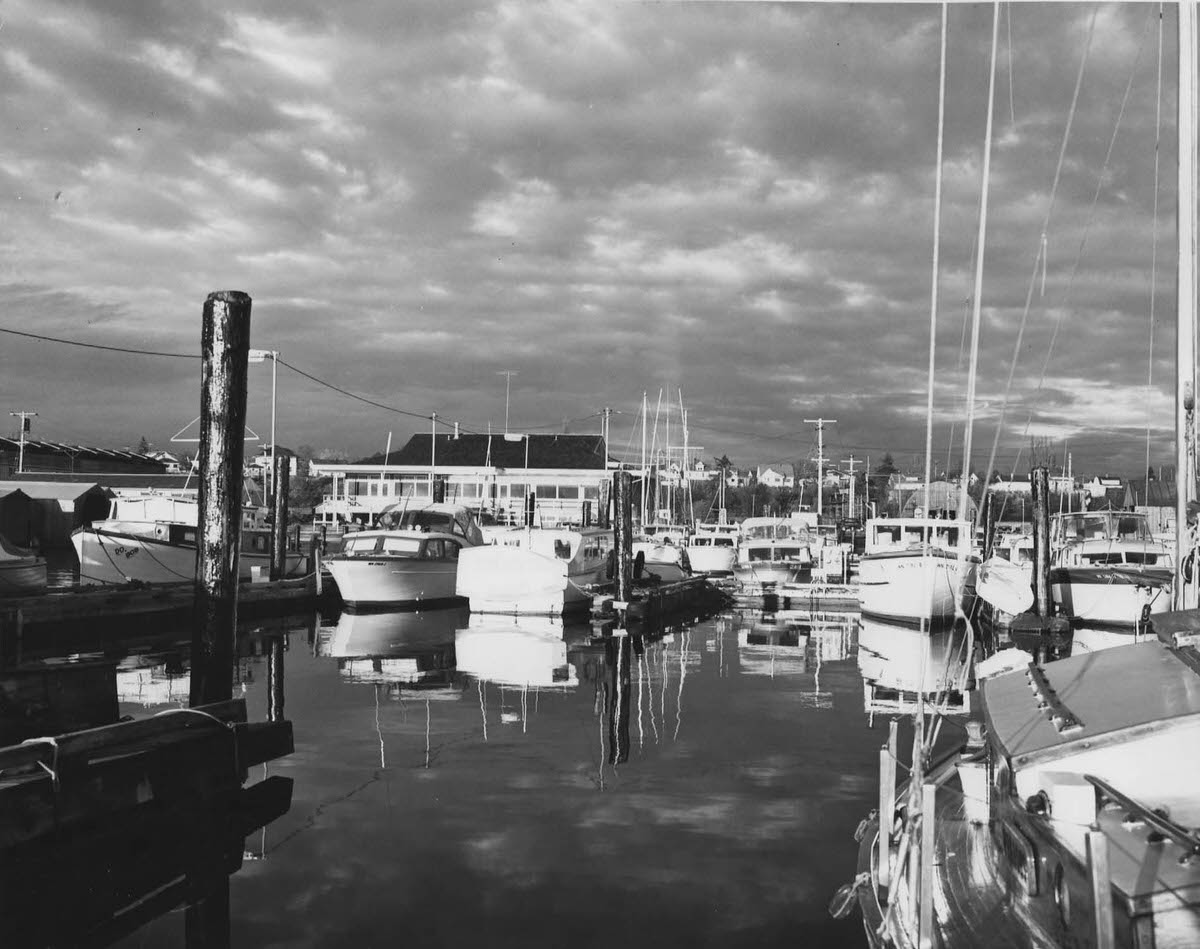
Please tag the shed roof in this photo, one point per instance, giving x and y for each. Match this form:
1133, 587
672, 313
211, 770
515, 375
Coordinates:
54, 490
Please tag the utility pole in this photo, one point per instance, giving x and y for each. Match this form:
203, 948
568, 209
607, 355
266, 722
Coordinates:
820, 423
508, 374
852, 461
24, 417
606, 415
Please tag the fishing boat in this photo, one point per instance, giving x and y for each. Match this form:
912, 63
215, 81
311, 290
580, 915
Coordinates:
1065, 821
712, 549
151, 538
913, 569
410, 559
537, 571
773, 550
22, 571
1107, 568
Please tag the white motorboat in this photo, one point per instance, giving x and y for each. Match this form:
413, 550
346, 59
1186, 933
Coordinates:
773, 550
1106, 568
22, 571
410, 559
713, 549
539, 571
913, 569
151, 538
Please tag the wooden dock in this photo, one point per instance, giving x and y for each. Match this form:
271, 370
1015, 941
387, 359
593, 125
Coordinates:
122, 822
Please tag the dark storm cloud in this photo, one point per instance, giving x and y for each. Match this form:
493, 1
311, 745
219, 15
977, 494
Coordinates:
736, 199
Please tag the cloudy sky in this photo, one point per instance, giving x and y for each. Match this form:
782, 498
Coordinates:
731, 199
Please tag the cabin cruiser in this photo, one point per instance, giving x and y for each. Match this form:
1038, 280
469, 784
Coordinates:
774, 550
410, 559
713, 548
1107, 568
151, 538
544, 571
914, 569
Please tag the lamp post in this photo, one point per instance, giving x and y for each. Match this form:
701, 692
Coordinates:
261, 355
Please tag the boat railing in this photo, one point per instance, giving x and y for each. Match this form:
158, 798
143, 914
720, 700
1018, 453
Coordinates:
1155, 819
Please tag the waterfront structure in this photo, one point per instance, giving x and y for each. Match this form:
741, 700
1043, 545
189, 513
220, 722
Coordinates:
492, 474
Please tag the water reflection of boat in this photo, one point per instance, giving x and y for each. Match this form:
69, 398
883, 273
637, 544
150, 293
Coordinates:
531, 651
403, 647
771, 647
902, 666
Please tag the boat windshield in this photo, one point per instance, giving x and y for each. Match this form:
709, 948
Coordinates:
419, 520
781, 530
1123, 526
393, 546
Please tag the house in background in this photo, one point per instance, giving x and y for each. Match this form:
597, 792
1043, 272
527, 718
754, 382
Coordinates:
492, 473
775, 476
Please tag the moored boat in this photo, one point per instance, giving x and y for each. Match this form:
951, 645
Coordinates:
773, 550
410, 559
538, 571
713, 548
914, 569
22, 571
1108, 569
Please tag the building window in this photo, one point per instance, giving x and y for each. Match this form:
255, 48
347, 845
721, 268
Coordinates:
568, 491
546, 491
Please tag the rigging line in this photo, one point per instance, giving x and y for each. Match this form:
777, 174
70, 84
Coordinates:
1038, 258
977, 310
111, 349
1154, 247
937, 235
1086, 232
1012, 111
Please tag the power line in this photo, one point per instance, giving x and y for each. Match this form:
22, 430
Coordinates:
111, 349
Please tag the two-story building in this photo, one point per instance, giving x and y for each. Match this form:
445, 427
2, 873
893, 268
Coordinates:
493, 473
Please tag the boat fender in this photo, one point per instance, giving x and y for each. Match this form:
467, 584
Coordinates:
844, 899
861, 830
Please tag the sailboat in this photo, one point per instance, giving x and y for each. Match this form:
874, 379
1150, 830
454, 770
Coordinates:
1068, 816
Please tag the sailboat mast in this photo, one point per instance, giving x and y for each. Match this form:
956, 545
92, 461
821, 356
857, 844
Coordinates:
1185, 335
645, 470
933, 295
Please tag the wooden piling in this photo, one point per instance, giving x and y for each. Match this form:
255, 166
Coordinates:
887, 802
623, 534
275, 680
530, 508
279, 531
989, 525
1101, 884
1040, 479
225, 347
314, 563
439, 490
925, 897
604, 512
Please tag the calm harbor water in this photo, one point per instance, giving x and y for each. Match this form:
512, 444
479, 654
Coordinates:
461, 778
464, 779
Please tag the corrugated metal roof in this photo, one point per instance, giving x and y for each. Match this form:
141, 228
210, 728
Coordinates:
53, 490
499, 451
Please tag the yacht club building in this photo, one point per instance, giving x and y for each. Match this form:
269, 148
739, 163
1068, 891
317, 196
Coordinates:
494, 473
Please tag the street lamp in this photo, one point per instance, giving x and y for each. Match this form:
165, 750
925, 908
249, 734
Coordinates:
261, 355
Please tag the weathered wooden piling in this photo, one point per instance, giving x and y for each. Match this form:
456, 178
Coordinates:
604, 511
1040, 480
275, 679
279, 532
623, 535
530, 508
989, 525
439, 490
225, 347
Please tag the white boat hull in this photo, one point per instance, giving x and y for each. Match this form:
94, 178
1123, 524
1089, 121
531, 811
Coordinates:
1105, 596
706, 559
114, 558
515, 580
911, 587
400, 581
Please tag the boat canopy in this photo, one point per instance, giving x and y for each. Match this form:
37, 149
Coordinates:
1116, 526
450, 518
775, 528
1042, 713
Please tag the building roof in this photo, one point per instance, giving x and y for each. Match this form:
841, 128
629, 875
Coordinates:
498, 451
53, 490
104, 479
78, 451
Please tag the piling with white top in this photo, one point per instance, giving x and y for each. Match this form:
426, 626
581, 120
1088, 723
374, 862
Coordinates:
279, 544
225, 347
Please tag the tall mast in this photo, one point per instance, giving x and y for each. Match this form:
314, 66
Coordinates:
1185, 335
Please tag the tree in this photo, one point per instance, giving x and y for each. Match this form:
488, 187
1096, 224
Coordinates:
880, 482
143, 447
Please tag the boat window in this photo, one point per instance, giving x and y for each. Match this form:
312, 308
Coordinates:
433, 550
404, 546
425, 521
359, 546
452, 550
1137, 556
562, 549
722, 541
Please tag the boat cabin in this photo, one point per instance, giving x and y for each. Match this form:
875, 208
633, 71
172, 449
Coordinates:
904, 533
433, 518
1105, 538
374, 544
